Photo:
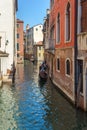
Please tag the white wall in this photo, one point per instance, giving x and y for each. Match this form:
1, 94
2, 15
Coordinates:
7, 29
38, 34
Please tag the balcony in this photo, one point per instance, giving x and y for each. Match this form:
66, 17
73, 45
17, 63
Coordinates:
46, 44
50, 45
82, 44
82, 41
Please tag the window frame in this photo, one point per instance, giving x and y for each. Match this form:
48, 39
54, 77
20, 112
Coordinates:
18, 35
58, 64
39, 48
18, 47
58, 34
68, 67
68, 31
18, 55
36, 29
18, 25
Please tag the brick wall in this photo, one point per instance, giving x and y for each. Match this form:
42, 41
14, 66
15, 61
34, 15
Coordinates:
60, 77
20, 40
53, 18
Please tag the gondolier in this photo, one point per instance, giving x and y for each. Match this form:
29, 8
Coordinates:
43, 71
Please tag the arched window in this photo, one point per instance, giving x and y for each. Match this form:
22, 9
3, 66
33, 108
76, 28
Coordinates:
58, 28
68, 22
68, 67
18, 47
58, 64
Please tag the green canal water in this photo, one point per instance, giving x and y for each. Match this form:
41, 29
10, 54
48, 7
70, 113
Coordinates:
34, 105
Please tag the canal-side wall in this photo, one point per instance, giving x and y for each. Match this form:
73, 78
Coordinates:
64, 56
6, 79
60, 78
9, 78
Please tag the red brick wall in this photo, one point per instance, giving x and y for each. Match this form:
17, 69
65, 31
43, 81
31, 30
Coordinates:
60, 7
64, 50
20, 40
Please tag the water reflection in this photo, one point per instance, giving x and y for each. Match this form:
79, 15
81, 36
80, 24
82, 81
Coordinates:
35, 105
7, 109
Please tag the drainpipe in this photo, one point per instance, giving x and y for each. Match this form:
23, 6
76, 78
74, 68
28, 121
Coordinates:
14, 39
75, 49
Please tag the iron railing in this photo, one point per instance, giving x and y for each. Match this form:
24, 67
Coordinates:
82, 42
50, 44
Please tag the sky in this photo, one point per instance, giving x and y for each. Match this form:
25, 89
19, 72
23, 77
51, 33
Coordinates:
32, 12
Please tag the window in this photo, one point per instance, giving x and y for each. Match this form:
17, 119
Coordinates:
52, 40
17, 35
39, 47
0, 41
58, 28
52, 33
80, 74
68, 67
58, 64
18, 55
18, 47
17, 25
68, 22
36, 29
39, 54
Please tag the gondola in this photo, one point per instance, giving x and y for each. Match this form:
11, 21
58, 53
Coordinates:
43, 69
43, 75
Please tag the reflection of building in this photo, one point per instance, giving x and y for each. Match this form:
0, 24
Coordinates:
39, 51
33, 35
7, 109
7, 38
20, 41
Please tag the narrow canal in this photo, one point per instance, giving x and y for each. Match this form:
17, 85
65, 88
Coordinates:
31, 105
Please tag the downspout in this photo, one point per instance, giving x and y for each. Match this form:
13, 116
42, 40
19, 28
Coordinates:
75, 50
14, 39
